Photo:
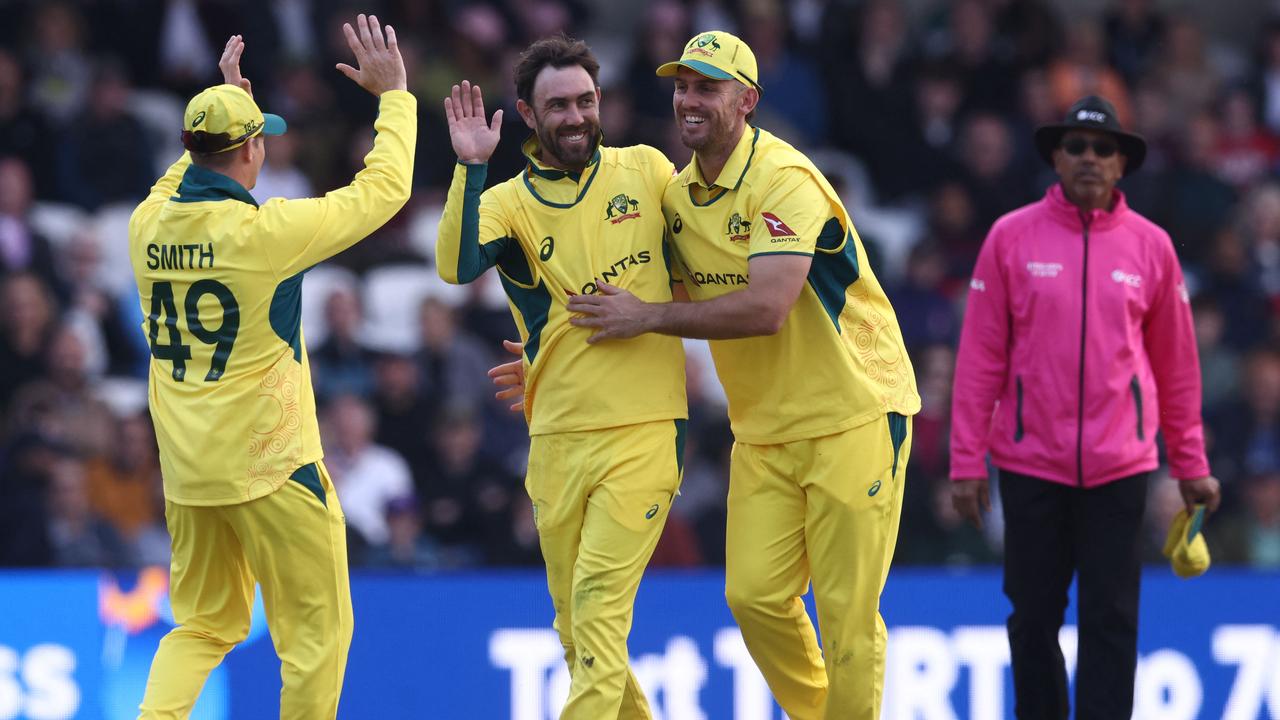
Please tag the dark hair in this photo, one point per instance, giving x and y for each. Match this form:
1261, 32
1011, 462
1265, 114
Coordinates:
557, 51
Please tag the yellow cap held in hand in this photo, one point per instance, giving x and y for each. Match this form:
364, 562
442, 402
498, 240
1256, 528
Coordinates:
1185, 546
222, 118
719, 56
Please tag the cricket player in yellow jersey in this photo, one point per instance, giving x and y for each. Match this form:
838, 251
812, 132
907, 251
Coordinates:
247, 497
606, 422
819, 385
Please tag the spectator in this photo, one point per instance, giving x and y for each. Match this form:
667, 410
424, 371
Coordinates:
22, 249
78, 536
403, 409
109, 318
105, 157
367, 476
343, 364
1246, 433
449, 358
1083, 70
1189, 198
989, 173
126, 491
61, 72
1219, 364
1266, 81
407, 548
1231, 277
280, 176
1184, 67
24, 130
65, 392
27, 314
26, 463
795, 103
926, 315
1134, 29
953, 227
467, 496
1246, 151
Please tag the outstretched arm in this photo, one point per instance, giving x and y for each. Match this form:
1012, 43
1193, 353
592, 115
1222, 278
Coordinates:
472, 237
305, 232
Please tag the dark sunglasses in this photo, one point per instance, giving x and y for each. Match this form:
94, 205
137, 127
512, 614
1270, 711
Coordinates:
1102, 147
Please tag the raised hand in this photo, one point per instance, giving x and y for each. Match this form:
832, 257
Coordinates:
473, 139
229, 64
380, 66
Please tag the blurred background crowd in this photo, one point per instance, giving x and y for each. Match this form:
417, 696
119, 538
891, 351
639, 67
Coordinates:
920, 113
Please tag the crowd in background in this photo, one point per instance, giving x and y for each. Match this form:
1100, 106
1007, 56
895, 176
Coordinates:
921, 117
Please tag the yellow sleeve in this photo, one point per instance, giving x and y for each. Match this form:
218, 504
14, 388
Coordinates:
301, 233
793, 213
473, 234
165, 187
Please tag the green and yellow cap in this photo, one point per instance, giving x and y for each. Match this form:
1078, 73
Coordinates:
223, 118
718, 55
1185, 546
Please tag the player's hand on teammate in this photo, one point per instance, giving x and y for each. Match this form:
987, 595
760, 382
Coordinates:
971, 498
474, 139
229, 64
615, 313
379, 65
510, 377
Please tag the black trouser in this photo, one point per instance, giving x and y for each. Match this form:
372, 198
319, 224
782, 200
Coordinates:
1050, 532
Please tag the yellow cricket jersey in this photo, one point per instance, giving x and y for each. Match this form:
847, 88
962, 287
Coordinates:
839, 360
220, 282
553, 234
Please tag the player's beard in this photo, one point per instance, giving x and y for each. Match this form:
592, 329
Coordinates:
570, 157
717, 130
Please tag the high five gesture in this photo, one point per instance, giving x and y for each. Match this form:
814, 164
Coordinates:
473, 139
380, 66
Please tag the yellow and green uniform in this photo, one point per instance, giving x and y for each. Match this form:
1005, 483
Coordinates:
220, 281
820, 414
606, 421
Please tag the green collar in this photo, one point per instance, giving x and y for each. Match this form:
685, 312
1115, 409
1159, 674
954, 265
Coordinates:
201, 184
534, 167
735, 167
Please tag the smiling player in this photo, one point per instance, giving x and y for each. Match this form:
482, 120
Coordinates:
606, 422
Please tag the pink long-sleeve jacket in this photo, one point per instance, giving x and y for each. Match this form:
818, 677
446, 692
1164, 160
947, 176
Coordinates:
1077, 344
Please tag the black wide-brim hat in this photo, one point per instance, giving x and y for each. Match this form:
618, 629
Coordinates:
1093, 113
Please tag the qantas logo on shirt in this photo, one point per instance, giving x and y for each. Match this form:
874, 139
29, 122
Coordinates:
615, 270
777, 228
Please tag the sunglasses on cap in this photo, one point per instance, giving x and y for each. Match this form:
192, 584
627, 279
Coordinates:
1103, 147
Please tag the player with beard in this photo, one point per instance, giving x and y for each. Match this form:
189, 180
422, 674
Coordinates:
606, 422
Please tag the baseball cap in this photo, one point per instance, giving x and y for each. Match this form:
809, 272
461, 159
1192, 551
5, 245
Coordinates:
718, 55
222, 118
1185, 546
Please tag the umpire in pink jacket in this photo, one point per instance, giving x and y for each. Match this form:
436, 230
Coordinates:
1077, 346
